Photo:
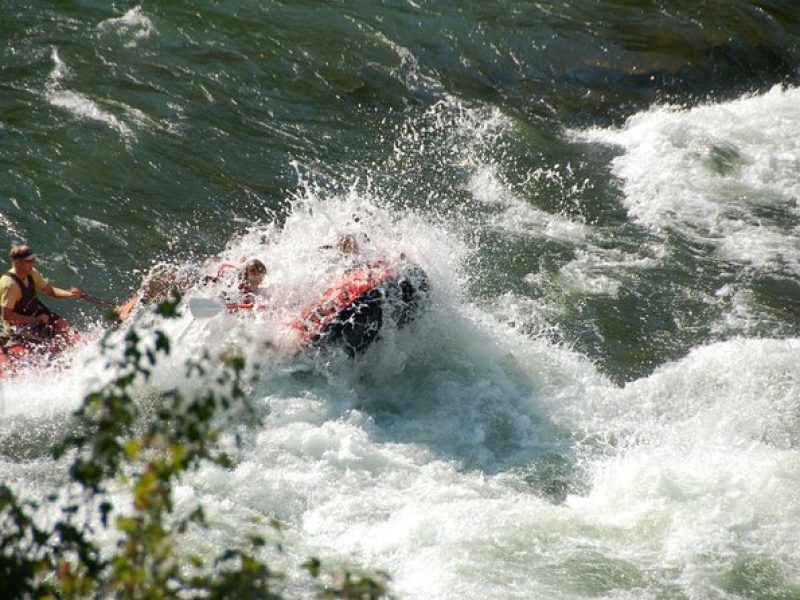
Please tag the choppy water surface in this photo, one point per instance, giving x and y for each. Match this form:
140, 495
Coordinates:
603, 398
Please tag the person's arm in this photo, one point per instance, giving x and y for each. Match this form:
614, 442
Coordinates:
9, 316
124, 310
237, 306
60, 294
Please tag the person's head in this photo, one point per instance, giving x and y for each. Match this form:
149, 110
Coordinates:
22, 257
160, 282
253, 273
347, 244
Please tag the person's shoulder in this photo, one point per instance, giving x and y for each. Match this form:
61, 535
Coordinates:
38, 280
8, 277
9, 291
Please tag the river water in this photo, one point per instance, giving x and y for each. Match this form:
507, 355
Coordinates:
602, 399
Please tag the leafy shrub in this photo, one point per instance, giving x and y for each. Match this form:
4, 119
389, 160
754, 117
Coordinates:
117, 444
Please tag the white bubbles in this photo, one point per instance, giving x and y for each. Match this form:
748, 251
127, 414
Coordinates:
725, 174
516, 215
78, 104
468, 459
116, 115
134, 26
700, 459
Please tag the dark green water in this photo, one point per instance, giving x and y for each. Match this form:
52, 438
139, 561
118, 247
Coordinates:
132, 136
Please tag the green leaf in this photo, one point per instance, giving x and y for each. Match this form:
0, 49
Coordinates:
313, 566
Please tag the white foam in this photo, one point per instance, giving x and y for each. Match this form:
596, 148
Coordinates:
80, 105
133, 25
88, 223
516, 215
685, 467
704, 457
49, 387
8, 225
726, 173
421, 457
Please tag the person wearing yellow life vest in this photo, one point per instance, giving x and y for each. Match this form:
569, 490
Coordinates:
23, 314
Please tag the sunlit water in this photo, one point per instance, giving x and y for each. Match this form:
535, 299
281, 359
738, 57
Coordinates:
602, 397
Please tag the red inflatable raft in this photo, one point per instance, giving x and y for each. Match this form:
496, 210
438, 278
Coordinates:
352, 312
15, 356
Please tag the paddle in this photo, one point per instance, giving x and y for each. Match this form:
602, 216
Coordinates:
205, 308
97, 301
112, 311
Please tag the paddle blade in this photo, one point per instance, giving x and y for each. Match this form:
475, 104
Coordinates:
204, 308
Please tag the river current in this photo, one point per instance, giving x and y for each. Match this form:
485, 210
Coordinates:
602, 399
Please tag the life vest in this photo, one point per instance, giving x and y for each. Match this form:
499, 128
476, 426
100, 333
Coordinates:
28, 304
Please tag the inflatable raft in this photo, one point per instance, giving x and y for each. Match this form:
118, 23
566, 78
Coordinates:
18, 355
352, 312
10, 358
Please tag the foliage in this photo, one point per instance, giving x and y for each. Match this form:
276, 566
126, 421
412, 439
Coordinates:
119, 446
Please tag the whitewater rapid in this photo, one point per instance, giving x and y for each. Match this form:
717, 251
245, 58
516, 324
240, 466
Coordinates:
471, 458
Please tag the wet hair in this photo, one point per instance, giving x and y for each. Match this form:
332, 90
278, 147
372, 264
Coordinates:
255, 266
20, 252
347, 244
161, 280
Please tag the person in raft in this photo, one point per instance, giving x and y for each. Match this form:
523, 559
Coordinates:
250, 277
253, 274
162, 280
24, 316
350, 250
165, 278
346, 244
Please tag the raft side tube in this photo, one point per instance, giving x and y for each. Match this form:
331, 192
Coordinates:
396, 298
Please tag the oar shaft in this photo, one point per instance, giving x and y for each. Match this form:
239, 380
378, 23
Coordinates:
97, 301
